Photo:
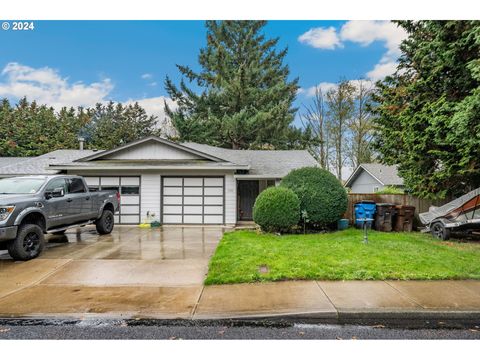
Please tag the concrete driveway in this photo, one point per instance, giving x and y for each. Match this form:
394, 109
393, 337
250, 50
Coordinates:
131, 272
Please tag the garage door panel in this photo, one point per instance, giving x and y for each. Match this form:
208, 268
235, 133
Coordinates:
172, 181
193, 191
213, 219
130, 181
214, 191
213, 181
213, 210
130, 200
172, 219
92, 180
193, 210
172, 209
193, 182
214, 200
130, 209
192, 219
172, 200
193, 200
110, 181
129, 212
129, 219
172, 191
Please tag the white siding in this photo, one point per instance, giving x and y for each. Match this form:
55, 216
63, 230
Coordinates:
365, 184
150, 195
230, 200
152, 151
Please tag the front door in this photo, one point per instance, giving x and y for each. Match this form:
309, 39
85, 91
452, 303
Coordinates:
247, 193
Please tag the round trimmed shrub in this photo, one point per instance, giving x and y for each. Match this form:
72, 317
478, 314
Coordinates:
322, 197
276, 209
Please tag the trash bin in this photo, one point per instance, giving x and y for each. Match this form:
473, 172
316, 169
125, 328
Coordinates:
404, 218
342, 224
384, 217
364, 210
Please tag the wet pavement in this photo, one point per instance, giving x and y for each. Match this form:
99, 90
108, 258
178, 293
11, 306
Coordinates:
137, 273
130, 272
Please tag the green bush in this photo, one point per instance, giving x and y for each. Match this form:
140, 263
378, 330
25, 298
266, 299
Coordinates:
390, 190
321, 195
276, 209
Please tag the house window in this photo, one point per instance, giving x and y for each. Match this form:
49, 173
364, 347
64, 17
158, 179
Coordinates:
130, 190
270, 183
375, 189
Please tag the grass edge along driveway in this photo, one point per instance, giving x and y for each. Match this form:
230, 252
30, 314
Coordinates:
340, 255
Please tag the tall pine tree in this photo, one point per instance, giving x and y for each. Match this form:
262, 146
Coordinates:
242, 97
427, 115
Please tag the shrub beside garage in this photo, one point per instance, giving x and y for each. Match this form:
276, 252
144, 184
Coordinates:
276, 209
322, 197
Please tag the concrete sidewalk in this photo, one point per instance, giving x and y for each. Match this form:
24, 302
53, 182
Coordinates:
308, 301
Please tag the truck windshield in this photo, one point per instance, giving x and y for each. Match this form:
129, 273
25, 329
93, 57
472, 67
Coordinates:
20, 185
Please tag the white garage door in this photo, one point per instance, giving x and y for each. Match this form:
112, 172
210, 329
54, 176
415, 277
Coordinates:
193, 200
129, 188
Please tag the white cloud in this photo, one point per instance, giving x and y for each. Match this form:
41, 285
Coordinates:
46, 86
321, 38
146, 76
310, 91
381, 70
363, 33
326, 86
156, 106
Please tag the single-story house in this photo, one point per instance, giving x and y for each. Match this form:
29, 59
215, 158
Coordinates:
181, 183
370, 178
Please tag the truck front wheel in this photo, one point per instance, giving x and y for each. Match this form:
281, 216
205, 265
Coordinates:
105, 224
28, 244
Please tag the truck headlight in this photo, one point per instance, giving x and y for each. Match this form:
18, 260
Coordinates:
5, 212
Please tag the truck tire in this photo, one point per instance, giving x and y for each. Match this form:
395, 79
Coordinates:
28, 244
439, 231
105, 223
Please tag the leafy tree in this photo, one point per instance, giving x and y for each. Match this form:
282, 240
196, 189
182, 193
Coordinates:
112, 125
242, 97
427, 114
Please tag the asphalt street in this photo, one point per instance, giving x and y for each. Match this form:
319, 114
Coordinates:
94, 329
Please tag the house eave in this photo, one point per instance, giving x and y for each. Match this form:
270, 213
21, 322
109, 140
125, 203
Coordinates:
149, 167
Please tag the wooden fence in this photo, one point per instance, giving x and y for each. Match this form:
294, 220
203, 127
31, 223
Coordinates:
421, 205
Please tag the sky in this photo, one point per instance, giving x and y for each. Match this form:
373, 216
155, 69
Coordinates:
80, 63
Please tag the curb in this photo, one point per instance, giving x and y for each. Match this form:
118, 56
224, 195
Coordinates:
387, 318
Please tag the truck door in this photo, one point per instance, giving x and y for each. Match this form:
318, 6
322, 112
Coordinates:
81, 201
57, 208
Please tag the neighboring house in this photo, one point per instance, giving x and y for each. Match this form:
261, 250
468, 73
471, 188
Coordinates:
180, 183
370, 178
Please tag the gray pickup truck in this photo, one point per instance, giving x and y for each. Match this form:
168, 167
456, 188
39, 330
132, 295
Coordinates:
31, 206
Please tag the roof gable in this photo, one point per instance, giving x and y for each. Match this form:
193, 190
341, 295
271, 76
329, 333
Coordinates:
152, 148
386, 175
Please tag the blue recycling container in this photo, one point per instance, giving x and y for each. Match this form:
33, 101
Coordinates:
364, 210
342, 224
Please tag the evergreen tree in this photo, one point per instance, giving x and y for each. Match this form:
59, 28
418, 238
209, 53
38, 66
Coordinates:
112, 125
242, 97
427, 114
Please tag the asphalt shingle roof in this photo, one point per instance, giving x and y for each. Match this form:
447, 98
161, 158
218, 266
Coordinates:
387, 174
275, 163
7, 161
38, 165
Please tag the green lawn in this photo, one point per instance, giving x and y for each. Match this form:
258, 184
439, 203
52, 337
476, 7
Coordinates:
341, 255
